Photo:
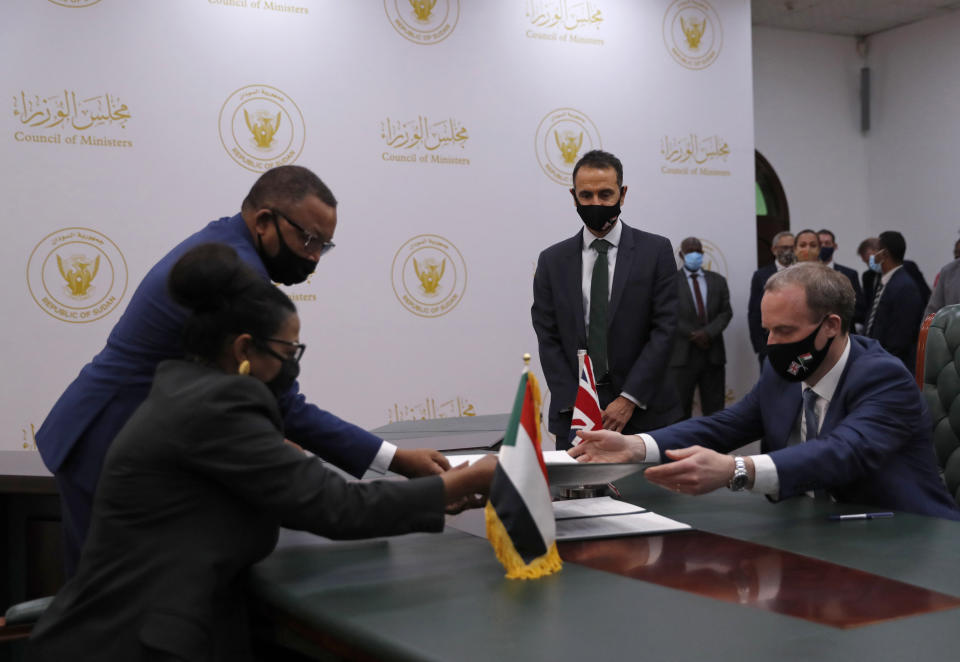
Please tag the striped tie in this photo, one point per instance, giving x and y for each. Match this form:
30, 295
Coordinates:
873, 309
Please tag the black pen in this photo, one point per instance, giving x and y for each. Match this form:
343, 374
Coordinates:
841, 518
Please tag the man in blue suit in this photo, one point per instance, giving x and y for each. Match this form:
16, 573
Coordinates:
285, 224
610, 289
896, 311
838, 415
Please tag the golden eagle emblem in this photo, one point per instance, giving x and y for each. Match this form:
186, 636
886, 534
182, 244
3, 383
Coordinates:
263, 127
78, 272
693, 32
430, 275
569, 146
422, 8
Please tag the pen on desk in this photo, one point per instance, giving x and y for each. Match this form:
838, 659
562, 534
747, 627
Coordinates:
841, 518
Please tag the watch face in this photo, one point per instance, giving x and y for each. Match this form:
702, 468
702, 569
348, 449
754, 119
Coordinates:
739, 481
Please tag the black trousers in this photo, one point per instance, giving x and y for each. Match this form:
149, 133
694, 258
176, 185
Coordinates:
709, 377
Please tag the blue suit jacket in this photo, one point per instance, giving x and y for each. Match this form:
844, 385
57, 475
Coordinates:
899, 316
874, 446
641, 322
100, 400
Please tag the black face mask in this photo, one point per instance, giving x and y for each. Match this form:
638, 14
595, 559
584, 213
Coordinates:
826, 253
596, 217
795, 361
286, 266
289, 371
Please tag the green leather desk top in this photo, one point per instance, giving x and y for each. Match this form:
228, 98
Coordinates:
444, 597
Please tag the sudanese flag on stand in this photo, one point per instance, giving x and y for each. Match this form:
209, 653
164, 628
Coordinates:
519, 514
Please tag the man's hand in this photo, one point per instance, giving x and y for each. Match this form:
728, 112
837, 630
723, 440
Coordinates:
695, 470
467, 486
607, 446
701, 339
617, 413
418, 462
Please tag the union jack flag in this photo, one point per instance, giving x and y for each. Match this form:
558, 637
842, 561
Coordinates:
587, 414
800, 363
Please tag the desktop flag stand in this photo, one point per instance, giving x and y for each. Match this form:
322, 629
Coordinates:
587, 414
519, 515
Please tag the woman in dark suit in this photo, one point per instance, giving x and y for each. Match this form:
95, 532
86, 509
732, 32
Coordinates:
197, 483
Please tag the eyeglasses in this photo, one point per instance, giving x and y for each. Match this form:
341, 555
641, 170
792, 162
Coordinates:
299, 348
311, 242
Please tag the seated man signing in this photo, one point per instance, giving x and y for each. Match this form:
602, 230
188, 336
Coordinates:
837, 414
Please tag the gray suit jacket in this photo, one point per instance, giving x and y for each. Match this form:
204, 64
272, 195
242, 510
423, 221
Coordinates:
718, 311
192, 493
947, 289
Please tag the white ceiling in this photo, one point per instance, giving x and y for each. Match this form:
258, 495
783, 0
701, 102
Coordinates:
846, 17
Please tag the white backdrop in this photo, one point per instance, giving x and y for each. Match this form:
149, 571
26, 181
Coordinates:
131, 124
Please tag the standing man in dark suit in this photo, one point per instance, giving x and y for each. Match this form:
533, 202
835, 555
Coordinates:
828, 246
782, 249
837, 415
897, 309
612, 290
867, 248
703, 313
871, 277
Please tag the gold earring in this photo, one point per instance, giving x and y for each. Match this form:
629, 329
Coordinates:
244, 368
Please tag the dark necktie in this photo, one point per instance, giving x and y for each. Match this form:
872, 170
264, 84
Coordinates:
810, 417
873, 309
701, 312
599, 292
811, 422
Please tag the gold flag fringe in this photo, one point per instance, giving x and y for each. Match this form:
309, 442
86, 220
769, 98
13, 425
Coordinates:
503, 547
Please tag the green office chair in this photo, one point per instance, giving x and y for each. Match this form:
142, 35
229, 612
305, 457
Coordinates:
941, 386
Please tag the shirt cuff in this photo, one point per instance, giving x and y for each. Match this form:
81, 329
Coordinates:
384, 457
766, 480
632, 399
653, 451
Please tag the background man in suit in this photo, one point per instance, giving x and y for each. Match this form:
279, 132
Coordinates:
782, 249
612, 290
828, 246
703, 312
947, 288
897, 309
857, 428
285, 224
865, 250
871, 277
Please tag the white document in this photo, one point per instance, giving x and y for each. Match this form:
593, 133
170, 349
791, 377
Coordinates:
549, 457
593, 507
457, 460
558, 457
612, 526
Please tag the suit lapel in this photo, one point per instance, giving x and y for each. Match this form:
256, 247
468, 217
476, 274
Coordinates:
686, 297
622, 271
787, 401
573, 256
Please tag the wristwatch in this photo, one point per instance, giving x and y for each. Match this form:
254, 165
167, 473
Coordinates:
740, 477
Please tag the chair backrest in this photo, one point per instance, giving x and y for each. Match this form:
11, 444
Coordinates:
922, 347
941, 387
